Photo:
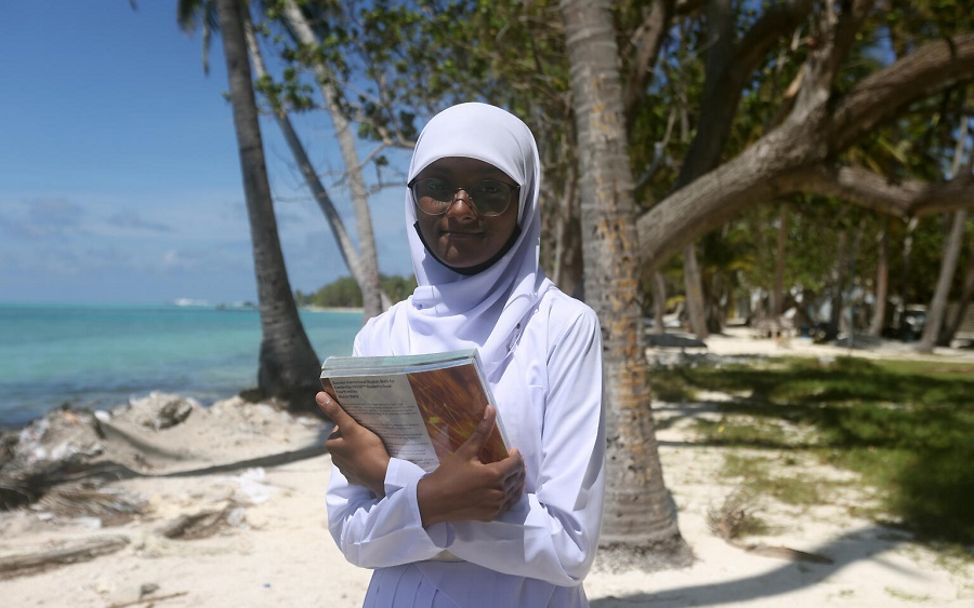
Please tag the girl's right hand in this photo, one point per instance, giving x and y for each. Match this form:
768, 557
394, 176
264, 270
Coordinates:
463, 488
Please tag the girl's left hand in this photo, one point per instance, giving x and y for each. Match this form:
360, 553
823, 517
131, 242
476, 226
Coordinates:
357, 452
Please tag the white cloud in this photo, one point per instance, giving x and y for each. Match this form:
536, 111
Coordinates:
126, 218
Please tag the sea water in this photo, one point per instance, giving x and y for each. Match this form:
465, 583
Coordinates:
101, 356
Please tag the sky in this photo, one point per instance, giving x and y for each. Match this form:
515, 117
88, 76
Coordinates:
119, 175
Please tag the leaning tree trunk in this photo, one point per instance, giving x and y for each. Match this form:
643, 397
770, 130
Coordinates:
882, 283
963, 302
344, 241
371, 289
938, 305
288, 365
639, 511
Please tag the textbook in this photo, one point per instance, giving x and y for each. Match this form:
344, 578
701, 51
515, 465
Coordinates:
422, 406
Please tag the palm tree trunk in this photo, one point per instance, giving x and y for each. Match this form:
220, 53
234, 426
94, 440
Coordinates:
639, 511
659, 302
849, 319
778, 291
692, 280
938, 305
345, 245
288, 366
838, 281
882, 284
906, 257
371, 289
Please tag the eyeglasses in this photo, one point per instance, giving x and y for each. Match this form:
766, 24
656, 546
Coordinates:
434, 195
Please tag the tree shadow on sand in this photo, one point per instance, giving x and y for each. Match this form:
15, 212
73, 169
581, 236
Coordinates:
866, 543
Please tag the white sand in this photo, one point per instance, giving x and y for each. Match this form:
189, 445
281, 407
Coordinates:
279, 552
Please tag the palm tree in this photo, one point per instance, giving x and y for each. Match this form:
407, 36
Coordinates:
194, 14
298, 25
288, 366
639, 512
345, 245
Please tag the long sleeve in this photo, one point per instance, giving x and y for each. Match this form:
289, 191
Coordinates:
552, 533
374, 533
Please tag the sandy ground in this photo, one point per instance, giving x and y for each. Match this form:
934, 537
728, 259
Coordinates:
273, 548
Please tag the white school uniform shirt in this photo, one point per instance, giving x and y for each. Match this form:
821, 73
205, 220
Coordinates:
549, 398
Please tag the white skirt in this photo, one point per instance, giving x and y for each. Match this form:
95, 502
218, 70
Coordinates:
439, 584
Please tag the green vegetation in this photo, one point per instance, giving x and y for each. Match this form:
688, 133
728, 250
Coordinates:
759, 477
906, 427
906, 595
345, 292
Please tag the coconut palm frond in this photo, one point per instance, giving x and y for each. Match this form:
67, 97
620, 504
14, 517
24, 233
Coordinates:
199, 14
112, 506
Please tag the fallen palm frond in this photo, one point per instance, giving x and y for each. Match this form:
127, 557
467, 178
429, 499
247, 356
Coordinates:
112, 506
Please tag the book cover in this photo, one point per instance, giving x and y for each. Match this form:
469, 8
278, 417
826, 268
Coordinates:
422, 406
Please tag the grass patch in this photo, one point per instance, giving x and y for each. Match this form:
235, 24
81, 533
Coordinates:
907, 427
756, 475
671, 385
906, 595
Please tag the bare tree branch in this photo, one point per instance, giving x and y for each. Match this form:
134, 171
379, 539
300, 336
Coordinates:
810, 135
646, 40
888, 92
729, 67
713, 198
777, 22
873, 191
362, 164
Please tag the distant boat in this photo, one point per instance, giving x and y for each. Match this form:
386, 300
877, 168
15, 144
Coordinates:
189, 302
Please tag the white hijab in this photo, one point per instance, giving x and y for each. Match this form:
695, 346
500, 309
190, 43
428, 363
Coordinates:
487, 310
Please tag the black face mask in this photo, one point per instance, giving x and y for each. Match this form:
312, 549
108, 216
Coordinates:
479, 267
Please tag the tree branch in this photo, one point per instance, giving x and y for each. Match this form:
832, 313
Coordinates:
729, 66
647, 40
777, 22
873, 191
884, 94
713, 198
830, 45
811, 134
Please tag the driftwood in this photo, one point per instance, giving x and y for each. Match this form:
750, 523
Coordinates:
193, 526
781, 552
31, 563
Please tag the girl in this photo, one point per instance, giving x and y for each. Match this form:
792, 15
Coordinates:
522, 531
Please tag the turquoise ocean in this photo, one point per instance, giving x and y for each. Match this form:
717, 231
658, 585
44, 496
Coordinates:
99, 356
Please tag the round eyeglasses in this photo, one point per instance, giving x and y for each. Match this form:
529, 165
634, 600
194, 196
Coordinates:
490, 197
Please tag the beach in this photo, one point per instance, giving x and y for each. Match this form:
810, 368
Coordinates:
257, 536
